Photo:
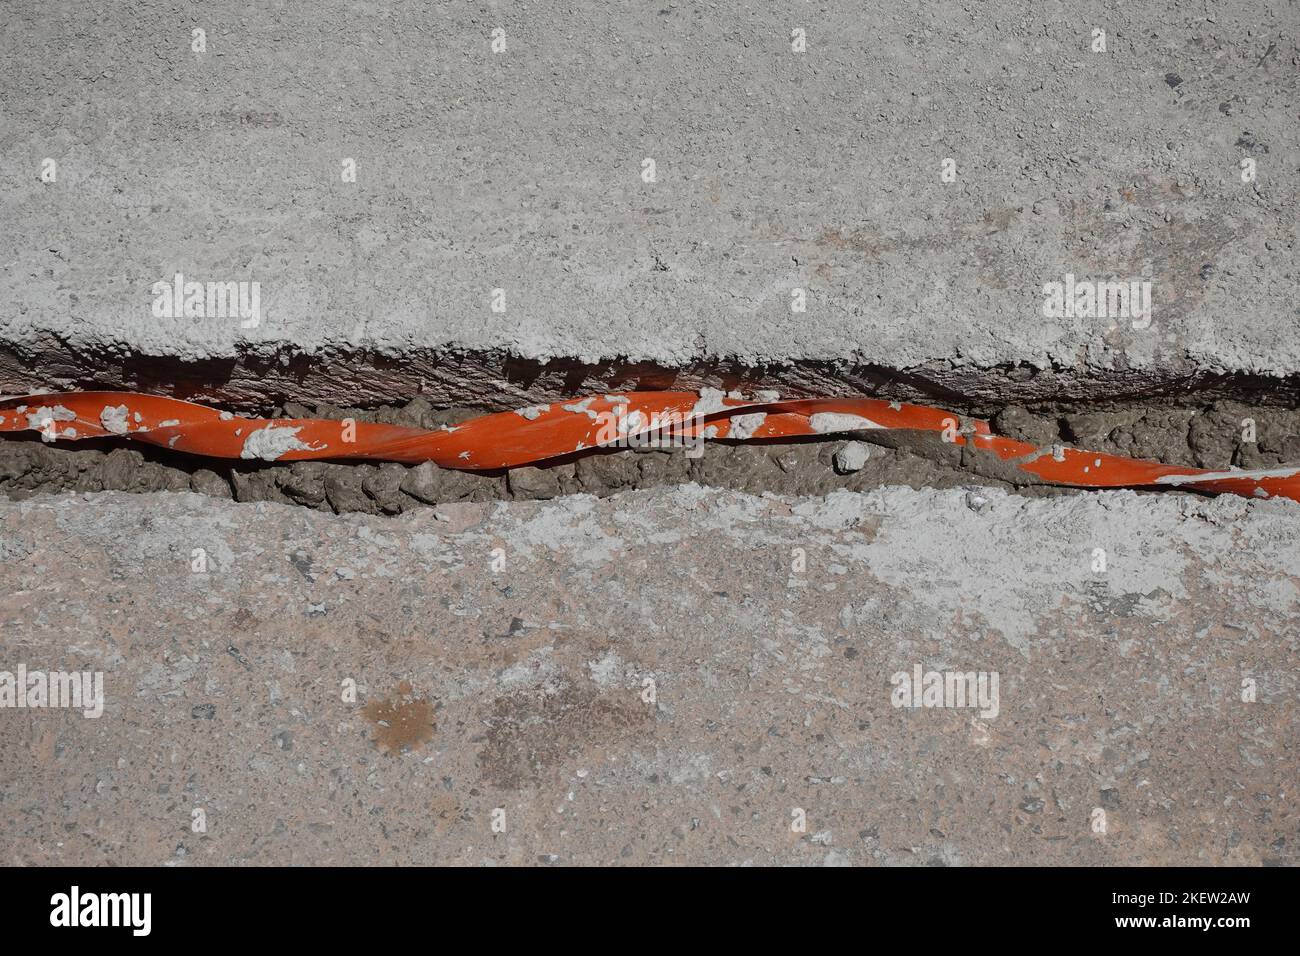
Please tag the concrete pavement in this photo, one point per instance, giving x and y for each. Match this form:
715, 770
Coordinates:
681, 675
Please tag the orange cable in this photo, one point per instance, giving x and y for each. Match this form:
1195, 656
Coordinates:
531, 435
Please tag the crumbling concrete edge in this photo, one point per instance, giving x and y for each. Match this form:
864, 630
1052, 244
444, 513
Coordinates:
262, 376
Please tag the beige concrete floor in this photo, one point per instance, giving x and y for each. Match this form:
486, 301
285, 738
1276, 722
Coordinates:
652, 679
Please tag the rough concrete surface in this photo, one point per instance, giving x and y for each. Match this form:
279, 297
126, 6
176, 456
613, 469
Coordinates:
523, 686
649, 668
521, 170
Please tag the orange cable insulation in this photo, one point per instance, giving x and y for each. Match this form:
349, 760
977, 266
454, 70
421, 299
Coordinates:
531, 435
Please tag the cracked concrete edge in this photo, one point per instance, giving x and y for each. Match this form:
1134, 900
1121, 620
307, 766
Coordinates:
517, 638
495, 379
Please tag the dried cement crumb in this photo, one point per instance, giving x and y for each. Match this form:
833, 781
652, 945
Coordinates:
852, 457
632, 422
744, 426
828, 422
1284, 471
113, 418
710, 402
533, 411
582, 407
42, 418
271, 442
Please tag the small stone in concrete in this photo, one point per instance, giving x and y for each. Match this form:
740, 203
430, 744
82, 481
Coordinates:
852, 457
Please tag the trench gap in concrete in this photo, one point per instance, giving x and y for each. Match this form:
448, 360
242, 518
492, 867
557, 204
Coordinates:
1174, 417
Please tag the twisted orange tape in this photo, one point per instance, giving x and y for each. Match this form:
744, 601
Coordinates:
531, 435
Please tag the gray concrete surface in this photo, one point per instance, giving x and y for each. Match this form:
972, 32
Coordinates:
1147, 712
523, 688
521, 170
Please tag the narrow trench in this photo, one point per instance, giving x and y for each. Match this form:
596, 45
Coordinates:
1209, 428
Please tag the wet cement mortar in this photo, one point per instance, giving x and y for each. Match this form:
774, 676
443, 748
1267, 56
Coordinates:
1210, 435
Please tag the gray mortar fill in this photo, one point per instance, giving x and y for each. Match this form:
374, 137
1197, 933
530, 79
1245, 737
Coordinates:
30, 467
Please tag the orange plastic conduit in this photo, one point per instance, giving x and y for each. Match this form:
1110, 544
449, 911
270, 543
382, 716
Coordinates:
532, 435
